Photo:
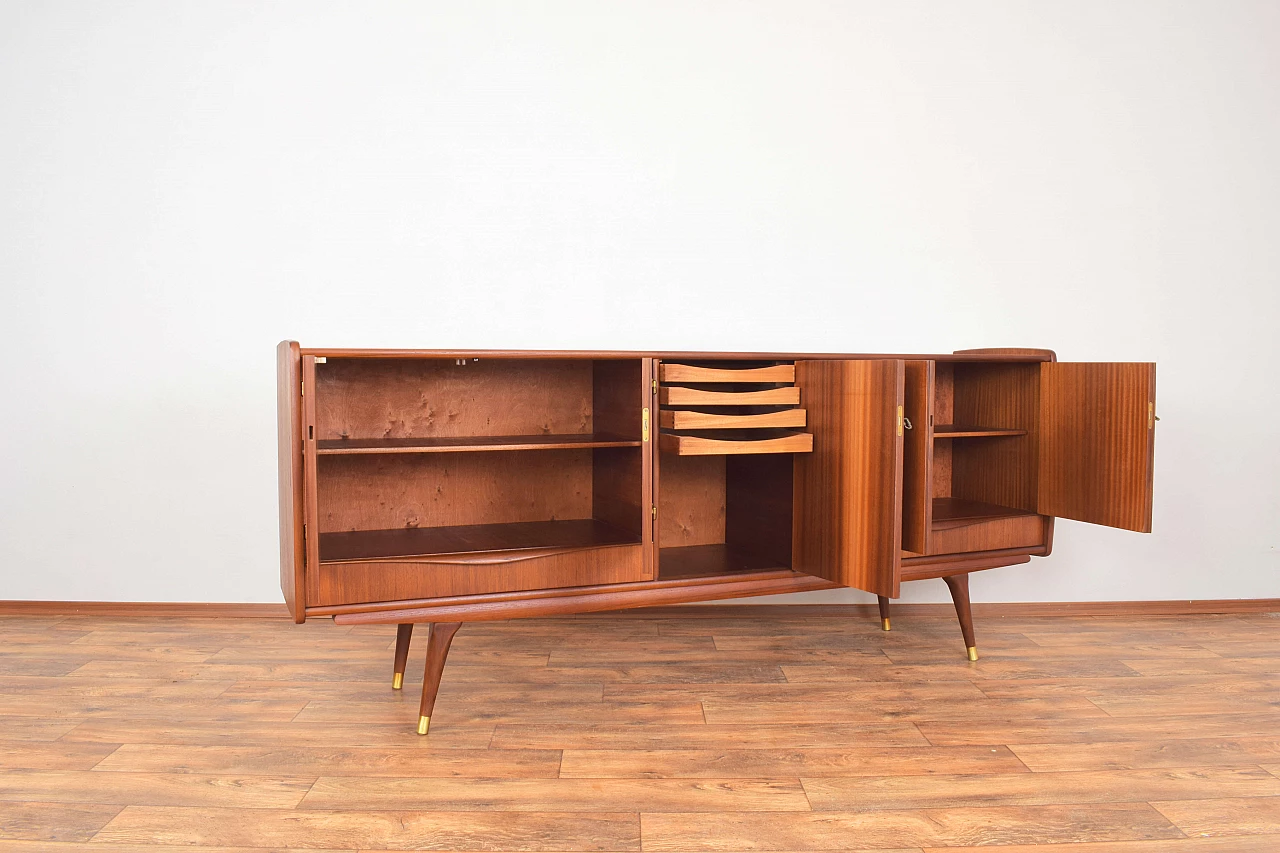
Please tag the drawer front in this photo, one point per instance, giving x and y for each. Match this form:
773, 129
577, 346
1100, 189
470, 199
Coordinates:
1023, 531
401, 580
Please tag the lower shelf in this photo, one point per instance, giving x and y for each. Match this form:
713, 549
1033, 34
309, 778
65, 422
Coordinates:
701, 561
550, 536
947, 510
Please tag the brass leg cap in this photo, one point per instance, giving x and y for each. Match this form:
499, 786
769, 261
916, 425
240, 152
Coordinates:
973, 653
398, 681
884, 623
424, 723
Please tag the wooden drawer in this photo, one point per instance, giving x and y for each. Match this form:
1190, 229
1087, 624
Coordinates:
689, 373
677, 396
360, 582
673, 419
1021, 531
697, 445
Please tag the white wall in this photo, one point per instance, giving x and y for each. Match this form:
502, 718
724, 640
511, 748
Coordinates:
184, 184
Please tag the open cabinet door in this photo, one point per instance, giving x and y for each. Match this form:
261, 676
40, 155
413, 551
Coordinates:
1097, 440
847, 504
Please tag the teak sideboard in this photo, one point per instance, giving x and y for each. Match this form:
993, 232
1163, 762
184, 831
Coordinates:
446, 486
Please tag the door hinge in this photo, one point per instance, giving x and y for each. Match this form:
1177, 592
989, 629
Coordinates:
302, 388
653, 511
304, 546
655, 386
1151, 415
644, 424
899, 420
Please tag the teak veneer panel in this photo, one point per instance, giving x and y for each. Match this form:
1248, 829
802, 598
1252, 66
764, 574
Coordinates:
678, 373
691, 500
1096, 455
383, 492
390, 580
438, 398
703, 445
472, 444
289, 443
1020, 531
677, 419
454, 544
847, 523
917, 455
997, 470
677, 396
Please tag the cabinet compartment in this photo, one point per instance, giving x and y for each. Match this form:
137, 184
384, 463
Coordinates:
443, 477
721, 515
984, 439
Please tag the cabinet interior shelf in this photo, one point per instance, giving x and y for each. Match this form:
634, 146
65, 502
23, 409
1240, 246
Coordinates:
951, 431
428, 542
948, 511
703, 561
458, 444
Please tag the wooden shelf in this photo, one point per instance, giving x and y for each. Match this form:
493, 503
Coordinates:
702, 561
730, 443
689, 373
459, 444
947, 510
677, 396
426, 542
950, 431
672, 419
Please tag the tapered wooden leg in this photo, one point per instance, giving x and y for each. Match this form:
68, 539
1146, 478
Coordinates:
959, 586
403, 633
437, 650
884, 611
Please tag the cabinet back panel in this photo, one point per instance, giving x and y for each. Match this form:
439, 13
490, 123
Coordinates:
424, 398
758, 505
997, 470
617, 494
691, 500
385, 492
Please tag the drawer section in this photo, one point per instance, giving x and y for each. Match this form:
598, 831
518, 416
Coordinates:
676, 396
731, 408
359, 582
708, 420
1018, 531
730, 444
691, 373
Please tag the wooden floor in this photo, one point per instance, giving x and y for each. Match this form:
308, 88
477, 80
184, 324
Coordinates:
644, 732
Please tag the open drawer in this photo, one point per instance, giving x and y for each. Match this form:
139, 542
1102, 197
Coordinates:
731, 408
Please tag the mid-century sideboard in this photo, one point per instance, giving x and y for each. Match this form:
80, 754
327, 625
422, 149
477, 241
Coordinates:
446, 486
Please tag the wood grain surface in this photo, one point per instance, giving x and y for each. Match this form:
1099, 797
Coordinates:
848, 505
719, 729
1098, 443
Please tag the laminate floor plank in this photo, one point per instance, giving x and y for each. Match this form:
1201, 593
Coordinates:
1138, 755
1045, 825
947, 790
58, 755
334, 760
755, 762
562, 795
1227, 816
1102, 729
377, 830
54, 821
641, 731
709, 737
153, 789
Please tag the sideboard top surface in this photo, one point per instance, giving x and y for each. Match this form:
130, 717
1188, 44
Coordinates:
987, 355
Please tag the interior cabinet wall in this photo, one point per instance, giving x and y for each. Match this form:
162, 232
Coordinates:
997, 470
386, 492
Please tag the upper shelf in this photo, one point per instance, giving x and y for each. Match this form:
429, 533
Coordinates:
691, 373
458, 444
952, 431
